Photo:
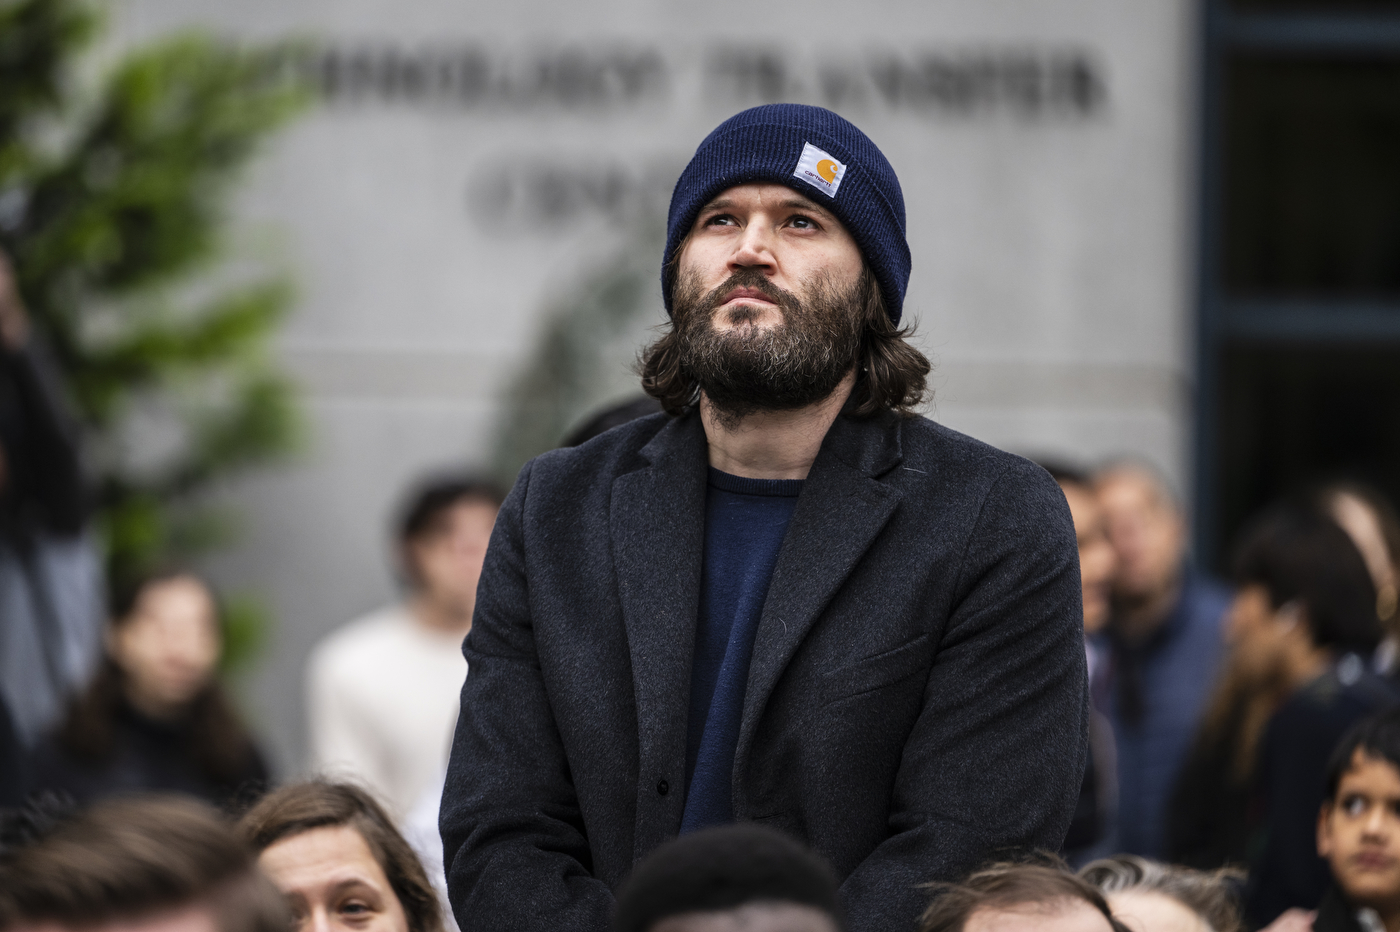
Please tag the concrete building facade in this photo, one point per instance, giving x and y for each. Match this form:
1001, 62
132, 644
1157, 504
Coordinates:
474, 172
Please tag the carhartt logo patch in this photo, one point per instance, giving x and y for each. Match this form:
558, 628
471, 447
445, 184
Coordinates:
820, 170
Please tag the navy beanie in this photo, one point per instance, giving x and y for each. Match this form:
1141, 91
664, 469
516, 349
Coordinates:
818, 154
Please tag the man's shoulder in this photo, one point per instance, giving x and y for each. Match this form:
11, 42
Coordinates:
939, 460
605, 456
1348, 688
364, 638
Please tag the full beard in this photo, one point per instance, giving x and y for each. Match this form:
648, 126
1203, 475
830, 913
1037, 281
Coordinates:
790, 365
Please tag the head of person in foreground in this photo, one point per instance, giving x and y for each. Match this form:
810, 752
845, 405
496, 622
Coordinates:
735, 878
1358, 827
1016, 897
336, 856
137, 864
1147, 896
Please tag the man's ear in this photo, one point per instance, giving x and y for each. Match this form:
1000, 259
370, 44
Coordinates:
1324, 831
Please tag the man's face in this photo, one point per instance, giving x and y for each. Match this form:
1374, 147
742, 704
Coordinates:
447, 558
769, 300
1060, 916
1146, 531
1096, 557
1359, 833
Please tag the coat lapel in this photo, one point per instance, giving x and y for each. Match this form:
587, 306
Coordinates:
840, 512
657, 528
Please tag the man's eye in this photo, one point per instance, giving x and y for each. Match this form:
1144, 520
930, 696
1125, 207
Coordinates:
1354, 805
355, 908
720, 220
803, 223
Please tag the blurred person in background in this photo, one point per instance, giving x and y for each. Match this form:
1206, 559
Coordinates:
1013, 897
50, 573
1164, 639
383, 690
1217, 811
336, 856
1148, 896
155, 717
1092, 830
1305, 609
139, 864
1370, 521
731, 878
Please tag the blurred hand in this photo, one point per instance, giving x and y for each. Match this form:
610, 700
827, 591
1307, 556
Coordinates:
14, 319
1294, 920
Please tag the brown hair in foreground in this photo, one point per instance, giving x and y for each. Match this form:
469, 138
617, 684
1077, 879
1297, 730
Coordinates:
1042, 885
1208, 894
134, 858
890, 373
315, 804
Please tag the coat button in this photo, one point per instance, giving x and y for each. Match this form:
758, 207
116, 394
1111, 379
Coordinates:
663, 787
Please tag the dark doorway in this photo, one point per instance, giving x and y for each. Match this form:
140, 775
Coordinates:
1300, 266
1293, 417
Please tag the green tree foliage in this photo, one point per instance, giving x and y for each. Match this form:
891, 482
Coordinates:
112, 197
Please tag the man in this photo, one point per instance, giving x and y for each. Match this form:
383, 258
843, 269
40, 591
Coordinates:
732, 878
1091, 832
1165, 642
791, 601
1019, 898
383, 689
137, 864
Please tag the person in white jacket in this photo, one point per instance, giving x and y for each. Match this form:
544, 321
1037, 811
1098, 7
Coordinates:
383, 689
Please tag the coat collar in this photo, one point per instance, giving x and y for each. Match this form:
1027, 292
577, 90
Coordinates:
842, 509
657, 527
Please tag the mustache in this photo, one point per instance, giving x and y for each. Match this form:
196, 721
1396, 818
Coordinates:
749, 278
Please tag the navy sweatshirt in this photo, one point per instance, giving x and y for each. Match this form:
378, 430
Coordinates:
745, 520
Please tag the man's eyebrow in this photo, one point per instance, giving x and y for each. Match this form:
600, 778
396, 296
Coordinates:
801, 203
795, 202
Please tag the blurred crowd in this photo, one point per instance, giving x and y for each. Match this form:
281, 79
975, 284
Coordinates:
1244, 765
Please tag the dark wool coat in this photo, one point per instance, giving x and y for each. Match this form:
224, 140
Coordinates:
916, 701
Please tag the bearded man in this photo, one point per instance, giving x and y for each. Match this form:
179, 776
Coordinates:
787, 600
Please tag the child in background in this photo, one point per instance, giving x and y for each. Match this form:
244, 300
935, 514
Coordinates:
1358, 830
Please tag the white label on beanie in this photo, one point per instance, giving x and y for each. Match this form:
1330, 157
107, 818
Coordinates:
820, 170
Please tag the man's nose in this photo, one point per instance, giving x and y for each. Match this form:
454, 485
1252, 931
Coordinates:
754, 247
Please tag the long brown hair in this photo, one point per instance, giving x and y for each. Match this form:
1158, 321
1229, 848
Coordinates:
314, 804
890, 373
219, 744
